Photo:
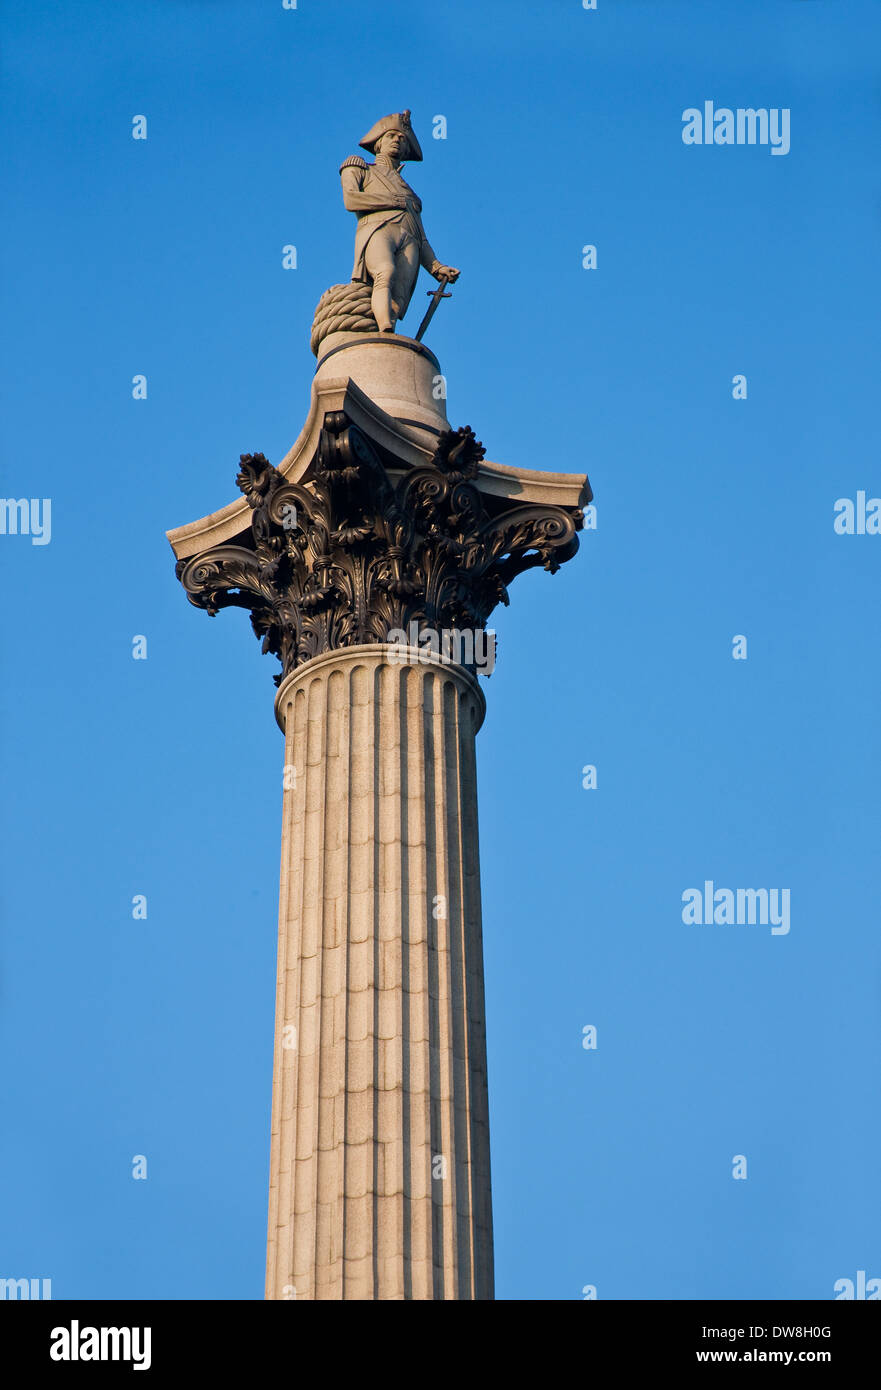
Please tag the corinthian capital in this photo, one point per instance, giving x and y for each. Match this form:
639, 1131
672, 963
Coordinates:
364, 545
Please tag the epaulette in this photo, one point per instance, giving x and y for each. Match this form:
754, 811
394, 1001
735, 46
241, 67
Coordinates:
354, 161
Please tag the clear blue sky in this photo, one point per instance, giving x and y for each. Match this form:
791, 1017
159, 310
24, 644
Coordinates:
715, 518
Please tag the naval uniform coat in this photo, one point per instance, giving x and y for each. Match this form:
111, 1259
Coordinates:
369, 191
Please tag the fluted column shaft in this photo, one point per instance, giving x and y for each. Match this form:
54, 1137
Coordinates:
380, 1179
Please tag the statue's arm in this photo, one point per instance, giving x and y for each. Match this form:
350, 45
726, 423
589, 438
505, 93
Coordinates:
433, 265
427, 256
354, 198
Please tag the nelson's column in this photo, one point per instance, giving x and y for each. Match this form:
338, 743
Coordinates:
369, 559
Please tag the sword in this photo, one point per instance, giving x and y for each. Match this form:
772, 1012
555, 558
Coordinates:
435, 298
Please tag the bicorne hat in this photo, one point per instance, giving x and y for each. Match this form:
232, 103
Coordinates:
398, 120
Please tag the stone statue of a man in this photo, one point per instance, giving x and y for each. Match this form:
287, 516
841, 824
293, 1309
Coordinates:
390, 240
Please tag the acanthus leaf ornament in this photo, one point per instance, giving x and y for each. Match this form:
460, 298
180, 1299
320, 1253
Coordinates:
356, 552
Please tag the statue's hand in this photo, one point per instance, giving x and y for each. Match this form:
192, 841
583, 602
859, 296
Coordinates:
445, 272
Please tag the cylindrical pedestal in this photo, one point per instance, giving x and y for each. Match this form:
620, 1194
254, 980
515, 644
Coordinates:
402, 376
380, 1180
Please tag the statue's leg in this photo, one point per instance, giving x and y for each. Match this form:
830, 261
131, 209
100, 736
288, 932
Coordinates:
379, 260
405, 276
